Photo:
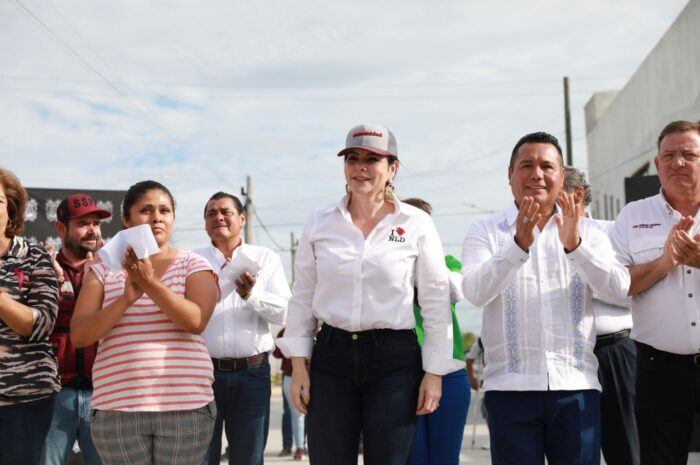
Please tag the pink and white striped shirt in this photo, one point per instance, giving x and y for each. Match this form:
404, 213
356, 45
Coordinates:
145, 362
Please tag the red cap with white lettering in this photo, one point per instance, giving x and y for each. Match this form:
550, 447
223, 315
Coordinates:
78, 205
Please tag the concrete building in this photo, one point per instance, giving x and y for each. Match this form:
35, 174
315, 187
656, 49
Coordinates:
622, 126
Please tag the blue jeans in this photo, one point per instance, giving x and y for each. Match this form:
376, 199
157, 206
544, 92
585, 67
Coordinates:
286, 424
527, 425
23, 428
243, 411
439, 435
366, 381
71, 421
298, 418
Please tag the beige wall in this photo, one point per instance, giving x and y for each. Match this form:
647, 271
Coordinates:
622, 127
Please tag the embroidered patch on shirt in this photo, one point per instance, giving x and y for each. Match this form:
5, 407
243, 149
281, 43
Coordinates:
397, 235
646, 225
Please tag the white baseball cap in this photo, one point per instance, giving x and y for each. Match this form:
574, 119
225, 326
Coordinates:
373, 137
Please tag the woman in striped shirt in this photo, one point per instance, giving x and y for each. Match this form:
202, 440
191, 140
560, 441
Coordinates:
152, 400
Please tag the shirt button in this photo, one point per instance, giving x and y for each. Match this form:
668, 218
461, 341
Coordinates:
688, 271
692, 324
690, 295
354, 337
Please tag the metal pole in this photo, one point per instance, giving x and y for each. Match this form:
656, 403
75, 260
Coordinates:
293, 253
567, 122
248, 207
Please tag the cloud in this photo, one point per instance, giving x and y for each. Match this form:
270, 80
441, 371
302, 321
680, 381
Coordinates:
201, 95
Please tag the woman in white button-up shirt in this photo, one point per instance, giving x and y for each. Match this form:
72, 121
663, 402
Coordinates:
356, 267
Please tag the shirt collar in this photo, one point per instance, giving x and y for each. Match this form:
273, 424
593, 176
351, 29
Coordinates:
667, 206
18, 248
220, 259
61, 259
511, 213
343, 207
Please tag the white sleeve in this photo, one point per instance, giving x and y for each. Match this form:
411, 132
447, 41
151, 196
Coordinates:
434, 300
485, 274
455, 280
298, 339
269, 299
620, 239
594, 260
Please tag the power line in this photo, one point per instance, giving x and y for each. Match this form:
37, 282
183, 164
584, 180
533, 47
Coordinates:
97, 72
139, 108
279, 247
306, 86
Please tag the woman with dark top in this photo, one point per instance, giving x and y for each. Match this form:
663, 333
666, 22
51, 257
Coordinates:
28, 308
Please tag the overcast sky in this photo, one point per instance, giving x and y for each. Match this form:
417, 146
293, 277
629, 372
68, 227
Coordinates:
198, 95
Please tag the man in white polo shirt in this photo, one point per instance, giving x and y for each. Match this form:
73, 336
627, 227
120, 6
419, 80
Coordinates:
238, 335
657, 238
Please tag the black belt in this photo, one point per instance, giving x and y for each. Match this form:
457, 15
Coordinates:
330, 333
607, 339
235, 364
652, 353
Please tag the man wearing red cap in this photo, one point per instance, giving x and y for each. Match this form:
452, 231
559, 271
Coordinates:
78, 225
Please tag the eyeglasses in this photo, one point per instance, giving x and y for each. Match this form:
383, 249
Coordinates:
688, 157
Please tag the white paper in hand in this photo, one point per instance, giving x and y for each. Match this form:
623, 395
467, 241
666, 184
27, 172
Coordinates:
233, 270
139, 238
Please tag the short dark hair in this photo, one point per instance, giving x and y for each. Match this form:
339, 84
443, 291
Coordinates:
575, 178
16, 203
225, 195
137, 190
536, 138
419, 203
675, 127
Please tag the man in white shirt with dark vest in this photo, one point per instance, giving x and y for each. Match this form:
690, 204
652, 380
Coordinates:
614, 349
238, 335
657, 238
534, 268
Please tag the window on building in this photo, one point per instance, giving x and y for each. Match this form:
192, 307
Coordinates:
605, 204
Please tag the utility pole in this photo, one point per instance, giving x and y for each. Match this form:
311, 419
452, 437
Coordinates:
293, 253
567, 122
248, 209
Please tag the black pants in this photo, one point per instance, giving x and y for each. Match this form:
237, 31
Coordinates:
668, 386
366, 381
617, 374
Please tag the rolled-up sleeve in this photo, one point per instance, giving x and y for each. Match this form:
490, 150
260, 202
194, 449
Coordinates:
298, 339
434, 300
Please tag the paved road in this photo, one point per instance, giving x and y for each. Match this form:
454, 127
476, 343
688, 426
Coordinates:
469, 455
475, 436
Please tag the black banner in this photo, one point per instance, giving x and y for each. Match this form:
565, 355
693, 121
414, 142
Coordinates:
40, 215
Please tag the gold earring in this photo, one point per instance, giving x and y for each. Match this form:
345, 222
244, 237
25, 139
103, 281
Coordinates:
389, 190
